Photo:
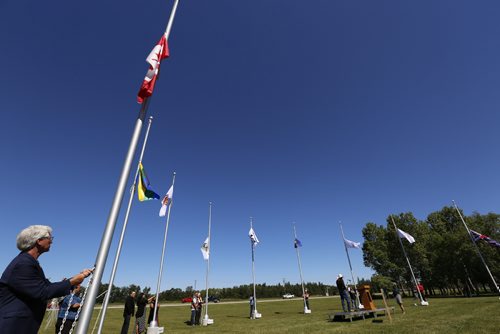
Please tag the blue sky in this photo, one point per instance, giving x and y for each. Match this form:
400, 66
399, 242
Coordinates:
311, 112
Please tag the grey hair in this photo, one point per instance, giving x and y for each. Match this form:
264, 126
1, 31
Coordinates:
28, 237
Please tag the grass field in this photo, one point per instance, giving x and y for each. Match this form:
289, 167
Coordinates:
444, 315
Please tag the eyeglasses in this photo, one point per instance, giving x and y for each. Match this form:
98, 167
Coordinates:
51, 238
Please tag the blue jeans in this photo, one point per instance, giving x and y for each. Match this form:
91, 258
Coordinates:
344, 298
193, 317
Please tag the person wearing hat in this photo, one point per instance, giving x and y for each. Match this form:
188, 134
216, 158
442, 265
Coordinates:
344, 296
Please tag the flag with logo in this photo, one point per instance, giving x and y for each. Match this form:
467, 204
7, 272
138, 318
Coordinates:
253, 236
352, 244
166, 201
144, 191
205, 249
159, 52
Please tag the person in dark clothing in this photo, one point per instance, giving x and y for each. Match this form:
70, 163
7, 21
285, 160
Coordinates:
24, 290
152, 301
198, 308
128, 312
140, 314
252, 307
344, 297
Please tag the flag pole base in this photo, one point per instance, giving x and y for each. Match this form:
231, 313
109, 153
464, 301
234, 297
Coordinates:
155, 330
306, 310
207, 321
257, 315
424, 303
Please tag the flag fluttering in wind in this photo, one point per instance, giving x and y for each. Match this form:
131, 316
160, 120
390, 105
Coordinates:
144, 191
297, 243
403, 235
478, 236
159, 52
166, 201
253, 236
352, 244
205, 249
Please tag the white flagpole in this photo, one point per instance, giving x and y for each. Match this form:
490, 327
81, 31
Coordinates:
107, 237
306, 309
122, 236
477, 248
350, 266
154, 323
206, 320
407, 260
254, 316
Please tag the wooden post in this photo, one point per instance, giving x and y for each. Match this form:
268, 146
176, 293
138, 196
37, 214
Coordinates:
387, 309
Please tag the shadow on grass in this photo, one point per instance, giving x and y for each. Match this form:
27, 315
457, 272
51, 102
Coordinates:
237, 316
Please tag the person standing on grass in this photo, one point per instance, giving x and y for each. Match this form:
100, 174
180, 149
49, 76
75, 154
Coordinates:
152, 302
128, 312
252, 307
421, 290
344, 296
198, 308
306, 298
72, 310
397, 295
140, 315
194, 308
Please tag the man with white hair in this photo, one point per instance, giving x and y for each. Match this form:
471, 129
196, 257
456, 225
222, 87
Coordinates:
24, 290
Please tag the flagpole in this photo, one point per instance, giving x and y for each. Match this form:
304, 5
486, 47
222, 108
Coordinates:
407, 260
350, 266
477, 248
300, 269
205, 321
107, 237
122, 236
154, 323
253, 273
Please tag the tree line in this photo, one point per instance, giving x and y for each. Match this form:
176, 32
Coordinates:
119, 294
443, 256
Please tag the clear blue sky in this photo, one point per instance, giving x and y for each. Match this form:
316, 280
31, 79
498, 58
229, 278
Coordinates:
307, 111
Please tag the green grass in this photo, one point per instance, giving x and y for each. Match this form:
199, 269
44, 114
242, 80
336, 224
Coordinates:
444, 315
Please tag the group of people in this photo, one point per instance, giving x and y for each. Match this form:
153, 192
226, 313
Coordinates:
196, 307
348, 295
140, 314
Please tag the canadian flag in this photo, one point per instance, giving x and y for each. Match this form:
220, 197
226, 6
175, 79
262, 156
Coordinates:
159, 52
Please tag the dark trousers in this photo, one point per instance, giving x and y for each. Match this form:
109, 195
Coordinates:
67, 325
198, 316
126, 323
307, 303
252, 309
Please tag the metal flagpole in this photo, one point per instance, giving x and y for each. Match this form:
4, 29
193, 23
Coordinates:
306, 309
350, 267
477, 249
154, 323
409, 265
107, 237
124, 228
253, 274
206, 320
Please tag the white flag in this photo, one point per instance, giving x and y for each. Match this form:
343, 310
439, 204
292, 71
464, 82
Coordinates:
352, 244
253, 236
403, 234
205, 249
166, 201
